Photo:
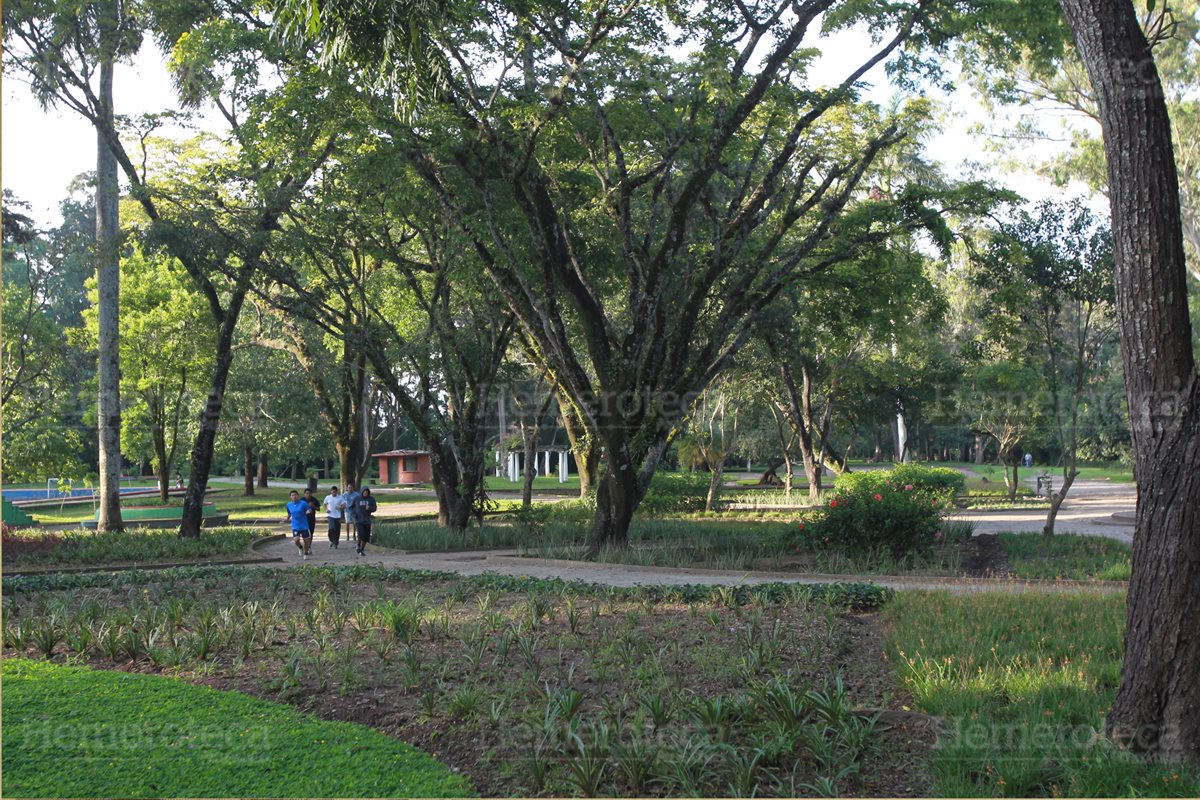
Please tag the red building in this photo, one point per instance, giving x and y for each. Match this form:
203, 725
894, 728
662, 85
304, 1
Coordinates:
404, 466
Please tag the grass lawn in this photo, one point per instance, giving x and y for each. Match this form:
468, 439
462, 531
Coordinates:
530, 687
542, 483
1066, 555
30, 547
264, 506
79, 732
1023, 682
995, 472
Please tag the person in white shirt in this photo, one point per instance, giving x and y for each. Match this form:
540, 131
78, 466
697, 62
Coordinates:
335, 504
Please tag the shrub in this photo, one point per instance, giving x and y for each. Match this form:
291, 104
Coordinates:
940, 483
875, 512
675, 493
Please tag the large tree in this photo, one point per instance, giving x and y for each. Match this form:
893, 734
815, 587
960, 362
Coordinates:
647, 206
68, 51
1157, 708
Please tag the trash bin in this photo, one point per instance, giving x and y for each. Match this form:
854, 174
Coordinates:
1045, 486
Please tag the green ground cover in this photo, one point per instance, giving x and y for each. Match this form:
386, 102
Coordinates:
1066, 555
31, 547
1023, 682
79, 732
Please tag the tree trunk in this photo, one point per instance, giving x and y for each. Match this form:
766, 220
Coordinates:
530, 472
248, 470
210, 419
455, 508
162, 473
587, 454
980, 448
1157, 707
714, 485
108, 285
1056, 501
349, 458
617, 497
262, 469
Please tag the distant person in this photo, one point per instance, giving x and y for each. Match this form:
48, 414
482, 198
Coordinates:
178, 481
335, 504
311, 516
297, 511
1028, 460
366, 507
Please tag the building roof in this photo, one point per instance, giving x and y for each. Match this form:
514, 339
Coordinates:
401, 453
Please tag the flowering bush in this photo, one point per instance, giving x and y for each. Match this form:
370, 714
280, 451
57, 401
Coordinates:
897, 518
935, 483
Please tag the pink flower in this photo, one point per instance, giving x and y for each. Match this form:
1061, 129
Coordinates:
933, 502
878, 497
937, 536
797, 548
908, 487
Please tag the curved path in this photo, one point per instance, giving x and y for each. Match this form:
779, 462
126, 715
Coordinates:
1088, 510
507, 562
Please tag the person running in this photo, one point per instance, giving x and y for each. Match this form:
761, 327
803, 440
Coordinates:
366, 507
298, 515
350, 509
334, 504
311, 516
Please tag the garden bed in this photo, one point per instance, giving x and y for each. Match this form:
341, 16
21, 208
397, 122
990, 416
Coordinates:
530, 687
31, 550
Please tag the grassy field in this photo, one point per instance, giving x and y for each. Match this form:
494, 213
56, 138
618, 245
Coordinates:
265, 506
78, 732
1023, 683
995, 472
1065, 555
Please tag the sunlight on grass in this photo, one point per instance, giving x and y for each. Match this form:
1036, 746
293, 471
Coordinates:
1023, 683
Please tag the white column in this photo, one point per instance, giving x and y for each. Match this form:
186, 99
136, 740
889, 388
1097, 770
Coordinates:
546, 463
514, 467
499, 468
562, 466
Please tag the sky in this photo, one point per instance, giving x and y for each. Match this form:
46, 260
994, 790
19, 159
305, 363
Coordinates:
44, 150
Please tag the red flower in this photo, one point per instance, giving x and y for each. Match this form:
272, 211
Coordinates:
878, 497
908, 487
801, 526
933, 502
833, 503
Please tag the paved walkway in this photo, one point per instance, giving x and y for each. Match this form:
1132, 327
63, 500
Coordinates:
1088, 510
507, 562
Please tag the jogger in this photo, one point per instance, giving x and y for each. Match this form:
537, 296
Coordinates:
366, 506
334, 505
297, 511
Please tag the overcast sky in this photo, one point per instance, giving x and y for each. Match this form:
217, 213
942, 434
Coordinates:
43, 151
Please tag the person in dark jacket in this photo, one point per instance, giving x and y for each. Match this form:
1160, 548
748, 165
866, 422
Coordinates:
311, 515
365, 507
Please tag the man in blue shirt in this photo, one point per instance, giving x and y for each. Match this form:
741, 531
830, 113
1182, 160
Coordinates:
298, 515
